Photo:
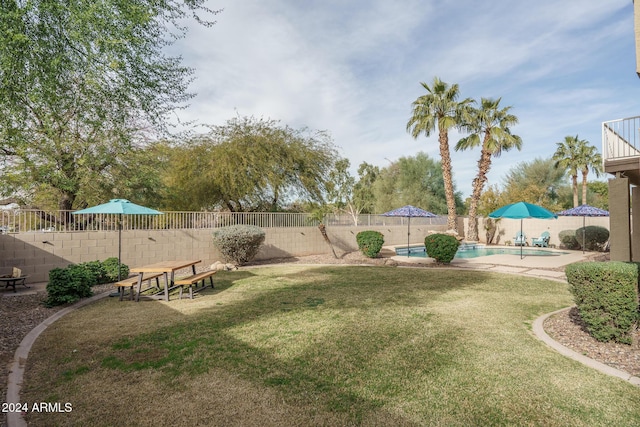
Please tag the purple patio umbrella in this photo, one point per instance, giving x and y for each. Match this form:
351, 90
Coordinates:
409, 211
584, 211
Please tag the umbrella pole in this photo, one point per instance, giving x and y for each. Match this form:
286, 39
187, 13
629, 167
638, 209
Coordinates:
584, 234
525, 240
120, 248
408, 234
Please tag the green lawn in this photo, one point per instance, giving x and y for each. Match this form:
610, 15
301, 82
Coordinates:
324, 346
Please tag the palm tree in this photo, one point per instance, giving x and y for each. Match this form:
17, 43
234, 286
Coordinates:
589, 158
440, 108
494, 123
567, 157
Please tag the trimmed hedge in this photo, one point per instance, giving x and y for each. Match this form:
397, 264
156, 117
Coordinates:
441, 247
594, 237
370, 242
606, 294
68, 285
238, 243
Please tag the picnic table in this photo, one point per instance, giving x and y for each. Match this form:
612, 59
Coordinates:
168, 268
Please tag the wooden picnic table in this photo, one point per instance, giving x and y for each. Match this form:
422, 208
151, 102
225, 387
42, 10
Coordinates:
168, 268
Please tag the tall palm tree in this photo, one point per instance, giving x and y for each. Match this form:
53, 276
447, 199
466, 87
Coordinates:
567, 157
440, 109
495, 124
590, 159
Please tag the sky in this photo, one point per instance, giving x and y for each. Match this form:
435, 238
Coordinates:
353, 68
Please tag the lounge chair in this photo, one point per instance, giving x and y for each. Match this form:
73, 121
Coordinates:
520, 239
542, 241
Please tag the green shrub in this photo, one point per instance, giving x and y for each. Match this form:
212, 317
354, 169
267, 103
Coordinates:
594, 237
238, 243
606, 294
441, 247
568, 239
68, 285
96, 270
110, 266
370, 242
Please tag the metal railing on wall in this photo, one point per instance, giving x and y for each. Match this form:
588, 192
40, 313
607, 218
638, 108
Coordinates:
29, 220
621, 138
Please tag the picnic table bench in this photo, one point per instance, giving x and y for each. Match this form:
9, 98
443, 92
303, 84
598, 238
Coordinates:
132, 281
192, 281
15, 279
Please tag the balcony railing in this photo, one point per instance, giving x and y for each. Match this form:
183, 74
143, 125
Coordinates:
621, 138
28, 220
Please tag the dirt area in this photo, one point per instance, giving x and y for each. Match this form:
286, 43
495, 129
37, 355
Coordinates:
21, 313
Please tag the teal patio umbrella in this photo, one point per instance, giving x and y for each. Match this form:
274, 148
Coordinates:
118, 207
522, 210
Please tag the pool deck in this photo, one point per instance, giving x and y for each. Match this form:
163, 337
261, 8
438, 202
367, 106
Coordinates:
541, 266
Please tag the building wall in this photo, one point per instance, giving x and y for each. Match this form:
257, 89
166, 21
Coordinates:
37, 253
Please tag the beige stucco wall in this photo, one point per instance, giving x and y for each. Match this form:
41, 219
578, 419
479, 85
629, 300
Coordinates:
37, 253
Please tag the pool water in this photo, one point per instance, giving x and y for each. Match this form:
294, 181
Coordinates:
471, 250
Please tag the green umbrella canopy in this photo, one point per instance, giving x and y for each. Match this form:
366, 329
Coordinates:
522, 210
118, 206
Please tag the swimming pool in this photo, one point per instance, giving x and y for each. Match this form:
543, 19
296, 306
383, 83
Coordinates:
472, 250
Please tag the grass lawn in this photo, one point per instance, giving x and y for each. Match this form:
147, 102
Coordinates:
326, 346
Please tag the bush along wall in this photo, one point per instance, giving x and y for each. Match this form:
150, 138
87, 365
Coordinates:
606, 294
239, 243
568, 239
370, 242
68, 285
441, 247
592, 237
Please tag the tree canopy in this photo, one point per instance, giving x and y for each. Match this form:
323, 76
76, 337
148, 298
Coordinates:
414, 181
82, 86
250, 164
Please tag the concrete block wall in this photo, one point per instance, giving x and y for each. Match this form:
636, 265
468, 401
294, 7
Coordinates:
37, 253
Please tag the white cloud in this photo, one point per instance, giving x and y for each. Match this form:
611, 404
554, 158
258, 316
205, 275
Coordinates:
353, 68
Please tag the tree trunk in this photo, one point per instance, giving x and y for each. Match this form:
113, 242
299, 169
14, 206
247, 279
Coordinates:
484, 164
574, 179
445, 158
584, 186
323, 231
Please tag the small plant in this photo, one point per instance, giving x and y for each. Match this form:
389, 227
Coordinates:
606, 294
68, 285
592, 237
441, 247
370, 242
238, 243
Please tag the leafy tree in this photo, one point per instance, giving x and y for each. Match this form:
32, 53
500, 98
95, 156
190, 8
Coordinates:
363, 195
440, 109
538, 181
493, 125
568, 158
599, 194
414, 181
318, 215
250, 164
82, 86
589, 159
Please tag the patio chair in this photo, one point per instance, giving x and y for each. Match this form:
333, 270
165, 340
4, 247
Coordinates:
542, 241
520, 239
